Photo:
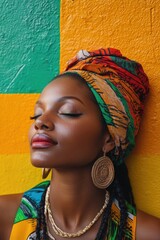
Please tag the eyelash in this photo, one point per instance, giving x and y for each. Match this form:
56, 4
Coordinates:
35, 117
71, 114
64, 114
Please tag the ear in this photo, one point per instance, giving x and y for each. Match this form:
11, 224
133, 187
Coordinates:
108, 143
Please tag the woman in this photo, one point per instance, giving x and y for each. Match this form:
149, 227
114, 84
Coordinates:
85, 123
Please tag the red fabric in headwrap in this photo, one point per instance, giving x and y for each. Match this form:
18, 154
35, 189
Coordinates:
108, 71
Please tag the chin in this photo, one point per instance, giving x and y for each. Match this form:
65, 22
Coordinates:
39, 159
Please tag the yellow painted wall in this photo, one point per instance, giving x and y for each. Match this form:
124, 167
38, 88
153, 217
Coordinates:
17, 174
133, 26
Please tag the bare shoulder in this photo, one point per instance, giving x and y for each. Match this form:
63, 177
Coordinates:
148, 227
8, 208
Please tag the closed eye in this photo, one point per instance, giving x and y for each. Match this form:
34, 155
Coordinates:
71, 114
35, 117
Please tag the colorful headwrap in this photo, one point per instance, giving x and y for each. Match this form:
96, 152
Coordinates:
120, 87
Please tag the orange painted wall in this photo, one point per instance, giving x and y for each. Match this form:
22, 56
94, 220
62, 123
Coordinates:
134, 28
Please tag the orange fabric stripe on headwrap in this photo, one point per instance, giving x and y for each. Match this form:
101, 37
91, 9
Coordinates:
119, 86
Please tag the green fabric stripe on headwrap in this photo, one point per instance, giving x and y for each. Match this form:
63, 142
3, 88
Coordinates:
130, 130
103, 107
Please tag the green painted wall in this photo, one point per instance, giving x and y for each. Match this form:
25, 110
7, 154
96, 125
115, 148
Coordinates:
29, 52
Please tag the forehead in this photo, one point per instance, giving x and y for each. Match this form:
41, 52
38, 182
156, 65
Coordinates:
66, 86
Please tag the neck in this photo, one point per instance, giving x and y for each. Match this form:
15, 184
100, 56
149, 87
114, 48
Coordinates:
74, 199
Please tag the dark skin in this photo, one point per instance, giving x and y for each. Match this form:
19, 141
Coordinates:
67, 115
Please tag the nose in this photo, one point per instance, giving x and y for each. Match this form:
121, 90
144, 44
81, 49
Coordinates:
44, 123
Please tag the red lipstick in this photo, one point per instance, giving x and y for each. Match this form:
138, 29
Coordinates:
42, 141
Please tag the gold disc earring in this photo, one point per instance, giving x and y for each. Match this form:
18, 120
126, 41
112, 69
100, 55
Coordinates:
102, 172
45, 172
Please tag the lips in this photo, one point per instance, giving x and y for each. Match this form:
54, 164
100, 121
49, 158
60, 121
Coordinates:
41, 141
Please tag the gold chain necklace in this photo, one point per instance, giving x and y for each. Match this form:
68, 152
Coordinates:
50, 235
60, 232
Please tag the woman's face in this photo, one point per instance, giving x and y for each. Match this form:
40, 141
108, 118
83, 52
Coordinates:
67, 130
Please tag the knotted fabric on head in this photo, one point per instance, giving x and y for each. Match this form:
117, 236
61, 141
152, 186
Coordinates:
120, 87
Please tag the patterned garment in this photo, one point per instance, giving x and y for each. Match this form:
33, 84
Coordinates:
26, 218
120, 87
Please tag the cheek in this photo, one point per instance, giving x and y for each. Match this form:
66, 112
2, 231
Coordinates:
85, 137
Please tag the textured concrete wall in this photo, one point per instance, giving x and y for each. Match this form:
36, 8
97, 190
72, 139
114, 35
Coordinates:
133, 26
29, 58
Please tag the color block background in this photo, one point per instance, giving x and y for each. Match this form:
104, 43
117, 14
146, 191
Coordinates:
38, 37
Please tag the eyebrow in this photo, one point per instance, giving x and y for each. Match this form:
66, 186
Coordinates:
62, 99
